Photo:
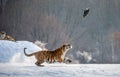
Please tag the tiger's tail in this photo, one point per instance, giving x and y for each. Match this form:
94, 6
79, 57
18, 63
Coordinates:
28, 54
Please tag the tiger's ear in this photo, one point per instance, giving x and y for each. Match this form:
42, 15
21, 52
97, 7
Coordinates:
67, 44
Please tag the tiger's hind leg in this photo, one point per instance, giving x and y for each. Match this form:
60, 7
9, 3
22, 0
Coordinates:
38, 63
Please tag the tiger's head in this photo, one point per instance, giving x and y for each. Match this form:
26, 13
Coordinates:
66, 47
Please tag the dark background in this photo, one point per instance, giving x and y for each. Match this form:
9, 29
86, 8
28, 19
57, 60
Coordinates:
60, 21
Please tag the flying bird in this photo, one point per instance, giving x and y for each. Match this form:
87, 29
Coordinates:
86, 11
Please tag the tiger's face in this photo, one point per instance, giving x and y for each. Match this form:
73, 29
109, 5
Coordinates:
67, 46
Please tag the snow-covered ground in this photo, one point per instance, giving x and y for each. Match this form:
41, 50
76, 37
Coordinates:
60, 70
13, 63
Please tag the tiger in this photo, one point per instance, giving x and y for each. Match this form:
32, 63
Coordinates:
4, 36
50, 56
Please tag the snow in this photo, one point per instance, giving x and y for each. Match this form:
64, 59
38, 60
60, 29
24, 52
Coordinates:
61, 70
13, 63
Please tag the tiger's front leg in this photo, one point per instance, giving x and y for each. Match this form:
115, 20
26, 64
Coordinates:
60, 60
67, 60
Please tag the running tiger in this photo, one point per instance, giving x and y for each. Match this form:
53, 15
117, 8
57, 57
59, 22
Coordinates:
56, 55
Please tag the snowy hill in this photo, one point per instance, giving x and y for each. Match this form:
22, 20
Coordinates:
13, 51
